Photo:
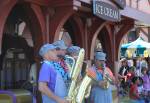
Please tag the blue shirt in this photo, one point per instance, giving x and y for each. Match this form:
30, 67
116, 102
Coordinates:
52, 76
98, 94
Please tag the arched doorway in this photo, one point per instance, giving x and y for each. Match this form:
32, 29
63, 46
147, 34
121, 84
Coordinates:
21, 35
102, 41
106, 43
72, 32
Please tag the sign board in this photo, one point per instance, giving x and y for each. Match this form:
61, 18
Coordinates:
106, 11
120, 3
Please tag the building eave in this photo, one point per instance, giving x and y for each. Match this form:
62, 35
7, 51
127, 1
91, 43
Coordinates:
136, 14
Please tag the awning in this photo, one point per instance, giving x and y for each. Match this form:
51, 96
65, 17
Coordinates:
136, 48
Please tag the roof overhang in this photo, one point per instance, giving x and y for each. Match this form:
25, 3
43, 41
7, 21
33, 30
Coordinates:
136, 15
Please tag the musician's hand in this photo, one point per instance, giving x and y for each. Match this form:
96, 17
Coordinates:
102, 84
91, 73
62, 101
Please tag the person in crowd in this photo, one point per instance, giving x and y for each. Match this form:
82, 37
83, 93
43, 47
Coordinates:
61, 47
140, 85
101, 92
138, 67
73, 51
148, 71
122, 76
51, 83
144, 63
146, 84
130, 63
133, 92
146, 79
124, 69
130, 74
141, 62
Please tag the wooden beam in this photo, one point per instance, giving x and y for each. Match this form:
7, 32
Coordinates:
146, 33
86, 1
64, 3
60, 3
85, 9
84, 14
58, 20
119, 35
39, 2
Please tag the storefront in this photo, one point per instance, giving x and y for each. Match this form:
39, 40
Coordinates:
93, 25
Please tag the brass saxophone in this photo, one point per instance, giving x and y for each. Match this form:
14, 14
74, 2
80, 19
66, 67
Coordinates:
74, 74
84, 89
70, 62
86, 84
107, 78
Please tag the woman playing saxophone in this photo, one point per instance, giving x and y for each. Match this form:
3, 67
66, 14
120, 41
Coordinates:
101, 91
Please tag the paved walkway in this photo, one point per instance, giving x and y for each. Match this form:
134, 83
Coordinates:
124, 99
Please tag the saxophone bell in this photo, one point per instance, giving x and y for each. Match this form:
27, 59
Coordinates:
75, 69
107, 78
70, 62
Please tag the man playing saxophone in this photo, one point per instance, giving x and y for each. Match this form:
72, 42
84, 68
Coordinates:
101, 91
73, 51
75, 72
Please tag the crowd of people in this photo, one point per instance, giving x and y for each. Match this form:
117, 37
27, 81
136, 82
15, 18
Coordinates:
134, 77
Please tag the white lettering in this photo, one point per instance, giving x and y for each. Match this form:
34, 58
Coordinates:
110, 13
96, 8
116, 15
101, 9
106, 11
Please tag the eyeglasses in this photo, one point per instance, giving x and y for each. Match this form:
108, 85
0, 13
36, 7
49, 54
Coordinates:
57, 48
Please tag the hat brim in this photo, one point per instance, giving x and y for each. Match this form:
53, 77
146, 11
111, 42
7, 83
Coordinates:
49, 49
63, 47
101, 59
123, 60
45, 49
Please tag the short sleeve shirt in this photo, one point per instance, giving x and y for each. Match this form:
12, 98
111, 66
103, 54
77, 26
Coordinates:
49, 74
146, 82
